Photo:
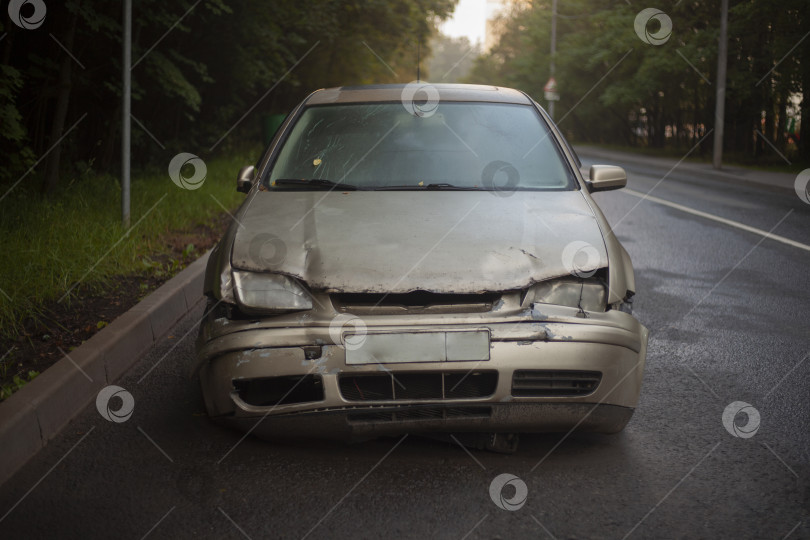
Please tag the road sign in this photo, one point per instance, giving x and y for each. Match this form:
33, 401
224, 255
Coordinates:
550, 90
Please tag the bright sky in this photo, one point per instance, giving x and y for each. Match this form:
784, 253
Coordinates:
469, 19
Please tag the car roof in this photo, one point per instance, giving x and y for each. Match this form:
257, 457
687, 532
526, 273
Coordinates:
398, 92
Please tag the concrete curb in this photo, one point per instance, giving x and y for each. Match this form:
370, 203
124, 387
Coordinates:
779, 182
38, 412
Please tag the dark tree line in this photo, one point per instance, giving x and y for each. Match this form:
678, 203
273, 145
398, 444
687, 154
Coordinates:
198, 67
664, 95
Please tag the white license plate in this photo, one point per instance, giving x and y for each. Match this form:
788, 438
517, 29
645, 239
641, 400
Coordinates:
401, 348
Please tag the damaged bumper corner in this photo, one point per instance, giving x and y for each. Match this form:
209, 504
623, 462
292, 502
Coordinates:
542, 372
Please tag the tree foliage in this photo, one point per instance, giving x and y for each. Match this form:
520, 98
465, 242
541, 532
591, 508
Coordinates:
451, 58
615, 88
198, 67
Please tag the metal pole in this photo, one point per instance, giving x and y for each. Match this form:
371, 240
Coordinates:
720, 102
553, 49
125, 119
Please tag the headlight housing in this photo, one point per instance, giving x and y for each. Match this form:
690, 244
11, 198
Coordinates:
267, 294
588, 295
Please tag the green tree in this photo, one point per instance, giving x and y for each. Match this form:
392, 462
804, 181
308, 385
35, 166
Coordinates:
198, 68
615, 87
451, 58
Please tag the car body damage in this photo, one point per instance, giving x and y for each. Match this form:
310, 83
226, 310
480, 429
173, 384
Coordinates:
502, 243
363, 309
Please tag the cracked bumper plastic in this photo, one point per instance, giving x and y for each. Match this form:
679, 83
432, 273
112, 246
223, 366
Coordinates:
612, 343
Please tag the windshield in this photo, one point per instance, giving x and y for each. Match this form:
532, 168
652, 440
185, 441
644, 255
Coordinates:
488, 146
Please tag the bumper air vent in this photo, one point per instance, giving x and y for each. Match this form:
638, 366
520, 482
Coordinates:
554, 383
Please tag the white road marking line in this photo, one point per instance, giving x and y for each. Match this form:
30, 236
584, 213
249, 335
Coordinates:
719, 219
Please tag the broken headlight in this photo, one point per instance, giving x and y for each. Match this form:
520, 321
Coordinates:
259, 294
588, 295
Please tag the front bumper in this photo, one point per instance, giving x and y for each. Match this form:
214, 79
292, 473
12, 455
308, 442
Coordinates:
612, 344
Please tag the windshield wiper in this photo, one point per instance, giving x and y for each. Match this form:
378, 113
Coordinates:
312, 183
437, 186
322, 183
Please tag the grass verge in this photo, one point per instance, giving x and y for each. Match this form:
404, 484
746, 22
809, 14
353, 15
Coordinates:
75, 239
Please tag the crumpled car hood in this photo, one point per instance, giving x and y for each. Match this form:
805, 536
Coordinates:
401, 241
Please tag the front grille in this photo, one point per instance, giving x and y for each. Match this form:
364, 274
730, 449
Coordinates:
421, 413
553, 383
414, 386
416, 302
267, 391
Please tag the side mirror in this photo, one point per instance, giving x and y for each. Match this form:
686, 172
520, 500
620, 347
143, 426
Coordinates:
244, 181
606, 178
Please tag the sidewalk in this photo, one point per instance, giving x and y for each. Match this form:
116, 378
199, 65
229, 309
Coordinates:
769, 180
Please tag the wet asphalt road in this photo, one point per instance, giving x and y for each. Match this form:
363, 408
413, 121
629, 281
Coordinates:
729, 315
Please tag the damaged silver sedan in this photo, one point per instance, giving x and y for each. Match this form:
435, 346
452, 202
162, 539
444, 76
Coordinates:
420, 259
